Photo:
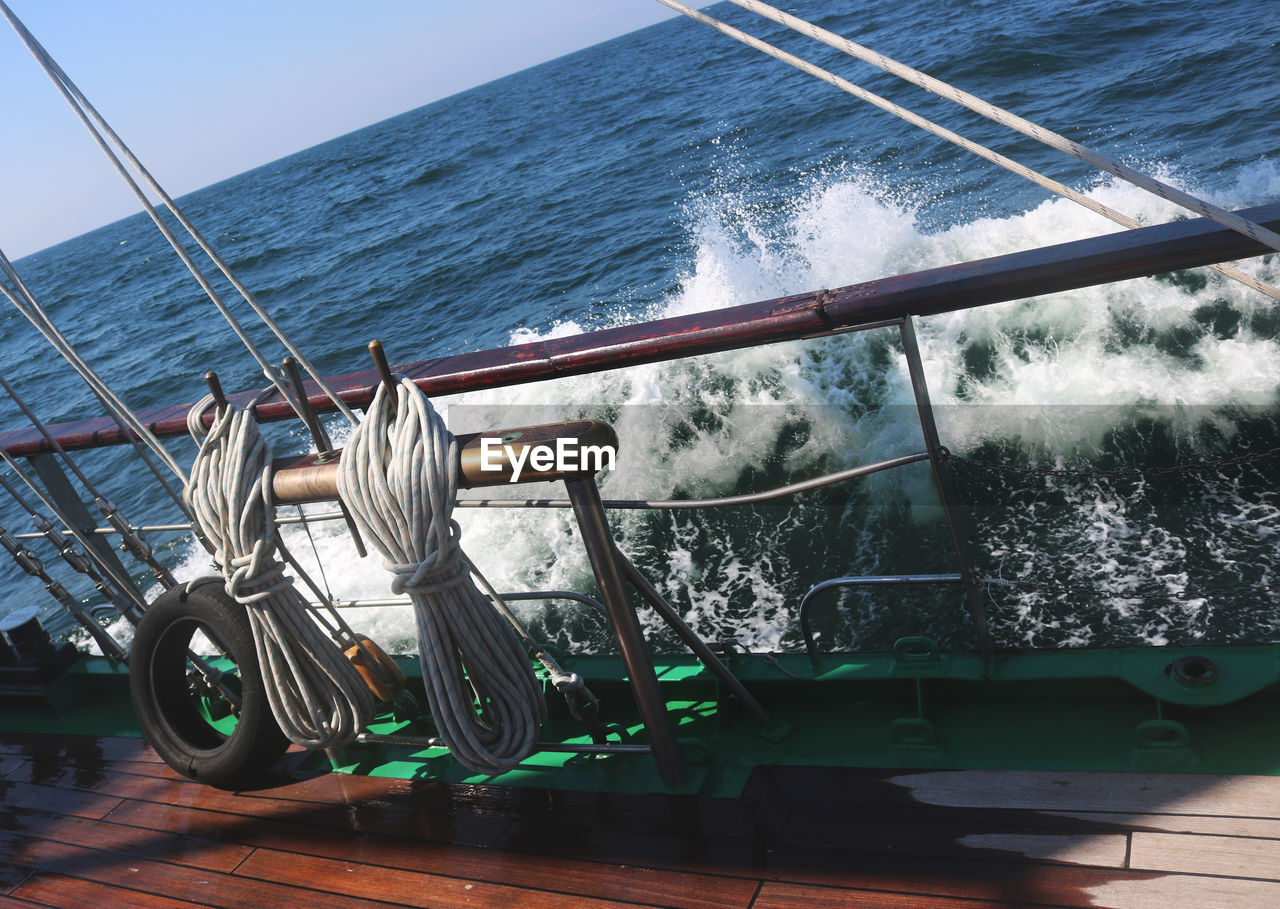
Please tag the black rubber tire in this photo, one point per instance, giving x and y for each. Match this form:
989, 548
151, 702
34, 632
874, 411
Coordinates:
170, 711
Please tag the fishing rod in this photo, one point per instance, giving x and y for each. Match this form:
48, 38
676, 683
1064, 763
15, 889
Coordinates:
131, 539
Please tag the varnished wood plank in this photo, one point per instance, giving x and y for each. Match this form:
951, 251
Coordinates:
598, 879
958, 832
51, 889
972, 879
175, 881
105, 835
1102, 851
798, 896
668, 843
397, 816
1177, 890
1212, 825
684, 815
11, 875
137, 763
1233, 856
19, 796
77, 748
404, 888
350, 789
983, 875
1154, 793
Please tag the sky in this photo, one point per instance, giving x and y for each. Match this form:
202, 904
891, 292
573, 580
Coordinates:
204, 91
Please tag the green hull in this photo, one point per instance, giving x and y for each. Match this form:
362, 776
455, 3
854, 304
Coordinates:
1097, 710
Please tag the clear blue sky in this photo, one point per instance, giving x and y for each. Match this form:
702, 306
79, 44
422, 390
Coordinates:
203, 91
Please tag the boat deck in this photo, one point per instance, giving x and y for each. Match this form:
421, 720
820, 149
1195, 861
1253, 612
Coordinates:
101, 821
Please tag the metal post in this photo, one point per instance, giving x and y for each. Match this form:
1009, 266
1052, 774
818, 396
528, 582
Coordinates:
690, 637
64, 496
594, 526
942, 479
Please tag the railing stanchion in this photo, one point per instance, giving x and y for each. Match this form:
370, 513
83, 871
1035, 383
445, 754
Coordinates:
942, 479
594, 526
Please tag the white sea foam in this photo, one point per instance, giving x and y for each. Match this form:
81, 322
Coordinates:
1072, 362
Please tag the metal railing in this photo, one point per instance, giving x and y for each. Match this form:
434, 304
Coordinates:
934, 453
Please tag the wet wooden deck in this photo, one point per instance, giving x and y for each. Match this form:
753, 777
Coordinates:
101, 822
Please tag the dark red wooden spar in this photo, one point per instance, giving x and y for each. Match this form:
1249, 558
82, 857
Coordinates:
1049, 269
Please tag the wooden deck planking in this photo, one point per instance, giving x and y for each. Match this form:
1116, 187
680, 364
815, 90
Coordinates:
795, 896
106, 815
1173, 793
1178, 890
405, 888
116, 869
1212, 825
18, 795
48, 888
115, 748
609, 881
104, 835
1226, 856
12, 875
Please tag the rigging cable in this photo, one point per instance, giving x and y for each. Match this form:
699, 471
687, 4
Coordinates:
105, 136
130, 425
116, 589
1235, 222
131, 538
1020, 124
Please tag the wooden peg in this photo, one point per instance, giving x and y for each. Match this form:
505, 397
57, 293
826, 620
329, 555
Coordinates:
309, 419
384, 369
324, 446
215, 388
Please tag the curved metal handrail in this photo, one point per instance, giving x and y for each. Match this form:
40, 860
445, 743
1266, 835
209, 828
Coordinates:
810, 646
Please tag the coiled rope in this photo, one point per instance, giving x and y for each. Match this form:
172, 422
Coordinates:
399, 477
318, 697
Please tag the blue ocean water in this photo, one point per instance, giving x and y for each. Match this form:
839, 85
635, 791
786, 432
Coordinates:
672, 171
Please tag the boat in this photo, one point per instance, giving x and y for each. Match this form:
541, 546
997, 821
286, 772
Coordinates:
925, 774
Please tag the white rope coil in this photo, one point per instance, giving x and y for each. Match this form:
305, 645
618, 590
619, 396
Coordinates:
399, 477
317, 695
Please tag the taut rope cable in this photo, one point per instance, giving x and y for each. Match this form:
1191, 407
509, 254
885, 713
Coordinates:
1013, 121
132, 539
1258, 232
98, 127
120, 587
132, 427
399, 477
318, 697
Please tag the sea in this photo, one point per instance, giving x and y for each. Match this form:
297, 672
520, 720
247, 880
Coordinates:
672, 171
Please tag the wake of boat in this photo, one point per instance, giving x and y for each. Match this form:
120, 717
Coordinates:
1102, 375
